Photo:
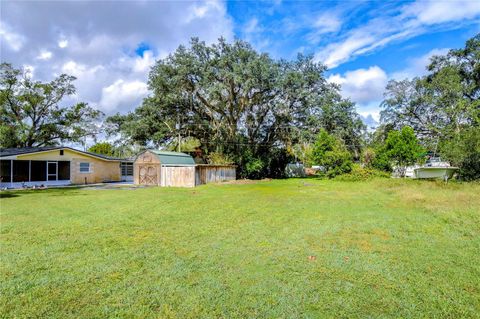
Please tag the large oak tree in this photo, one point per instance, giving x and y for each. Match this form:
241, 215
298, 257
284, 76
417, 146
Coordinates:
239, 102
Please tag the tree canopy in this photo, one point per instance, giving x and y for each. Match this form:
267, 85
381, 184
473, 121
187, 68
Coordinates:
241, 103
31, 114
402, 149
330, 153
104, 148
442, 107
444, 101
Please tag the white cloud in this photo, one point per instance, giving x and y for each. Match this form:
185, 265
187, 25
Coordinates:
336, 53
29, 70
251, 26
365, 87
99, 46
144, 63
13, 39
62, 44
418, 66
413, 19
327, 22
44, 55
80, 70
370, 119
253, 32
433, 12
362, 85
123, 95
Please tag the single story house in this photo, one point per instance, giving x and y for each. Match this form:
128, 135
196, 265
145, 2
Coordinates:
48, 166
161, 168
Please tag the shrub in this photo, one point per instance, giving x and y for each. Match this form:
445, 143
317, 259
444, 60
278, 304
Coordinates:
464, 152
360, 173
401, 148
254, 168
381, 162
219, 159
330, 153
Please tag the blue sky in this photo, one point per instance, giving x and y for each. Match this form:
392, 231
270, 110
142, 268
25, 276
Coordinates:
371, 41
110, 46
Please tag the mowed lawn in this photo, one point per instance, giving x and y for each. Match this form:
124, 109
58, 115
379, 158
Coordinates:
277, 249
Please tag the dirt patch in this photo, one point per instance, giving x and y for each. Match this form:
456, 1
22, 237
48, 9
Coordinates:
247, 181
112, 186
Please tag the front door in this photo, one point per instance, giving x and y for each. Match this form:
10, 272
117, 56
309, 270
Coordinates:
52, 171
148, 175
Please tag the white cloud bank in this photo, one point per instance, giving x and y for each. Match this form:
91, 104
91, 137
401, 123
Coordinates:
124, 94
365, 86
97, 42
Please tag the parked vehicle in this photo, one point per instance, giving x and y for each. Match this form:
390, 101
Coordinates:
435, 168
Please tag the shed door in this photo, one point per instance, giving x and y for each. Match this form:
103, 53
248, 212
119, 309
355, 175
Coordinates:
148, 175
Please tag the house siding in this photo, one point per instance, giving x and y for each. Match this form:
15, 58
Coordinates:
100, 170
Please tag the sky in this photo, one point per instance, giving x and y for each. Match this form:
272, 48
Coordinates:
110, 46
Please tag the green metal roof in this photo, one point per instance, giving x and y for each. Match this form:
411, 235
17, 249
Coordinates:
173, 158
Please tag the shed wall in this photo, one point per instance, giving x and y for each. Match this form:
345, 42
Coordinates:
178, 176
214, 173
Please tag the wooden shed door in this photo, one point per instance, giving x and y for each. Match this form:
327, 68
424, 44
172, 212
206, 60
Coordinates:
148, 175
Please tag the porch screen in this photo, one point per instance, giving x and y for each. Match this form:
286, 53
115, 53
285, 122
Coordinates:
5, 170
39, 171
20, 171
63, 170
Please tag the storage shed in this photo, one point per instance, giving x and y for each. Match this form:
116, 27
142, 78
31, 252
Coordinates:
163, 168
153, 167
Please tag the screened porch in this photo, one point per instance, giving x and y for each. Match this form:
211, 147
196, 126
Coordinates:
31, 173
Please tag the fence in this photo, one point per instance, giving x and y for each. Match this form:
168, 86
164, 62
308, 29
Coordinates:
214, 173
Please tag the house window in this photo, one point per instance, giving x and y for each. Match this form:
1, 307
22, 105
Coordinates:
61, 152
127, 169
84, 167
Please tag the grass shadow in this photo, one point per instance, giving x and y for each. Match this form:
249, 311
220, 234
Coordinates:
8, 194
50, 191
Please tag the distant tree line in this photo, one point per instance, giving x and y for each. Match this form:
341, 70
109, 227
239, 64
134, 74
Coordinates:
442, 108
240, 106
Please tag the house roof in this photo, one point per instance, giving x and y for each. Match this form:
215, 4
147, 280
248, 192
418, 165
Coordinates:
173, 158
4, 152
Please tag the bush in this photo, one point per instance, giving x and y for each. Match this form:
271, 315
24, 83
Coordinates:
254, 168
219, 159
380, 162
330, 153
464, 152
360, 173
401, 149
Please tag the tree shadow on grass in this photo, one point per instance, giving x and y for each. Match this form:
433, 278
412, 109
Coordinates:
8, 194
66, 191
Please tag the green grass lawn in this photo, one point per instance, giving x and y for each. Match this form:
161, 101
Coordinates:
382, 248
